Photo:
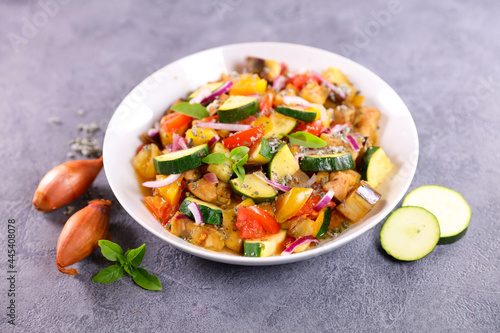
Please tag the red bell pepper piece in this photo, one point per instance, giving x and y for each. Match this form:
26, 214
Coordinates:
173, 122
266, 103
299, 80
253, 222
244, 138
315, 128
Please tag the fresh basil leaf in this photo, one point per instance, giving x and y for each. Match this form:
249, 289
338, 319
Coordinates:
194, 110
128, 269
215, 158
239, 152
135, 256
146, 280
307, 140
109, 274
110, 250
238, 168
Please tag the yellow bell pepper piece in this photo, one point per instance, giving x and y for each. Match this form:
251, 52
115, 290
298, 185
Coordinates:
246, 202
200, 135
357, 100
265, 122
170, 193
291, 202
248, 84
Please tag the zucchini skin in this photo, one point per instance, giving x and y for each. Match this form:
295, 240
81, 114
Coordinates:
240, 113
327, 163
209, 215
181, 164
365, 161
307, 116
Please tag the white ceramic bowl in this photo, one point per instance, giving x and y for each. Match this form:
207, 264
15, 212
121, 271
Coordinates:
146, 103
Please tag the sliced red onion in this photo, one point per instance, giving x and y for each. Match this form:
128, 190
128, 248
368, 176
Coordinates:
178, 143
161, 183
222, 90
297, 243
353, 143
213, 140
279, 83
154, 131
273, 184
295, 100
211, 178
324, 201
204, 93
224, 126
284, 68
195, 210
311, 181
336, 90
337, 128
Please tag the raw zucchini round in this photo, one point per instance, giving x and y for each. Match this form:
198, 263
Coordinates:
410, 233
449, 207
333, 162
297, 113
181, 160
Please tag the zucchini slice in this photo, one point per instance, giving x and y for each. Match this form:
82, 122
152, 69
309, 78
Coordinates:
264, 247
327, 162
375, 166
282, 125
264, 151
297, 113
282, 164
212, 86
450, 208
253, 188
237, 108
410, 233
210, 213
181, 160
322, 222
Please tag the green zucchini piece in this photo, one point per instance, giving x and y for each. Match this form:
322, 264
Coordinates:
282, 125
450, 208
210, 213
297, 113
282, 164
410, 233
322, 222
237, 108
375, 166
264, 151
212, 86
223, 171
253, 188
181, 160
264, 247
327, 162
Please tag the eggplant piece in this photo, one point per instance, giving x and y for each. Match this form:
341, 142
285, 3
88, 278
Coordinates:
359, 201
255, 65
206, 236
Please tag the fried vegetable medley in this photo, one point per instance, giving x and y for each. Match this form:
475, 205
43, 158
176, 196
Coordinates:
264, 163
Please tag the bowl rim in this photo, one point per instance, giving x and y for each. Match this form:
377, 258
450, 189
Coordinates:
273, 260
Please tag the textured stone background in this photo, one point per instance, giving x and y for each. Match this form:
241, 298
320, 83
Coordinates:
439, 56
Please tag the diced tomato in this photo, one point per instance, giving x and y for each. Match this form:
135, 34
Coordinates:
172, 122
266, 103
209, 119
315, 128
244, 138
308, 208
161, 209
299, 80
253, 222
247, 121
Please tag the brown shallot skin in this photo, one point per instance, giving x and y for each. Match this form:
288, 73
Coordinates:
81, 234
65, 183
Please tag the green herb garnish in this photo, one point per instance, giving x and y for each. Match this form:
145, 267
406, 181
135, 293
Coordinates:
126, 263
238, 155
305, 139
194, 110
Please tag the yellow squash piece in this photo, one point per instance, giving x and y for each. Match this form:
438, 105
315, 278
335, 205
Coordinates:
248, 84
289, 203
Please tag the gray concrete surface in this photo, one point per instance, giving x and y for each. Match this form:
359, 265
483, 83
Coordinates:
440, 56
